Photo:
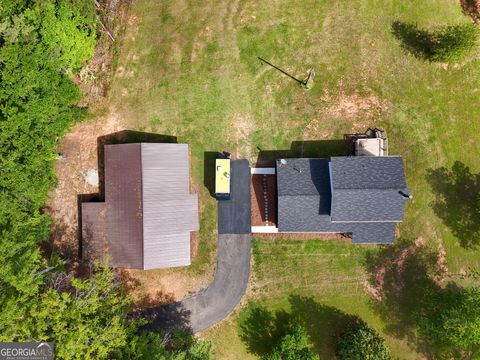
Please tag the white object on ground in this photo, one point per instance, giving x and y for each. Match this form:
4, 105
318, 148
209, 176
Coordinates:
91, 177
264, 229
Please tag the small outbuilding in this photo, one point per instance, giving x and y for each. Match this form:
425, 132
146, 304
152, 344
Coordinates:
148, 214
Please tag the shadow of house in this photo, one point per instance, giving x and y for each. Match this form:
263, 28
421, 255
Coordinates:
209, 158
302, 149
120, 137
305, 149
456, 202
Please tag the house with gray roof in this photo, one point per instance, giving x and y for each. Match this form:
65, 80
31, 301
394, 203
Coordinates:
148, 213
364, 196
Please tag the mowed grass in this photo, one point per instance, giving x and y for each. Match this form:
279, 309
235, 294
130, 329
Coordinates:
319, 281
190, 69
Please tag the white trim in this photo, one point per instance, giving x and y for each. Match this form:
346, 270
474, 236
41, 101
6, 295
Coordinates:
314, 232
265, 229
330, 176
366, 221
262, 171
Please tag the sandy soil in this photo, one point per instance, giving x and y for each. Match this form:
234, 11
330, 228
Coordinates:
376, 289
355, 109
153, 287
78, 153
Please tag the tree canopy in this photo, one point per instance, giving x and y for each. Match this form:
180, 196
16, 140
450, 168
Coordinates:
293, 346
360, 342
450, 321
41, 44
180, 345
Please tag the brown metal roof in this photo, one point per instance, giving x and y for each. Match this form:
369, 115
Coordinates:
94, 242
149, 211
123, 196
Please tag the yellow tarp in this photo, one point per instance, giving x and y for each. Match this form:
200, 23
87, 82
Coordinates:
222, 176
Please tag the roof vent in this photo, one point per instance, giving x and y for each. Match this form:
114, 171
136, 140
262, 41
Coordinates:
406, 195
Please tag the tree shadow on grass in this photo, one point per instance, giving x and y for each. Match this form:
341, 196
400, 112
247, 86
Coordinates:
457, 201
402, 279
261, 329
442, 44
323, 323
417, 41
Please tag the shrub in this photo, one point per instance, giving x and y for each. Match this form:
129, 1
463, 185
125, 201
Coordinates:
450, 43
360, 342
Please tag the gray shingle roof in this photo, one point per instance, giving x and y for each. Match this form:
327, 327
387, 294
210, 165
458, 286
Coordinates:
304, 177
368, 172
369, 203
368, 188
300, 214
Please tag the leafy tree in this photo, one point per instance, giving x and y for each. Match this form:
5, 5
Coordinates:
293, 346
451, 322
454, 42
154, 346
360, 342
40, 43
19, 284
89, 321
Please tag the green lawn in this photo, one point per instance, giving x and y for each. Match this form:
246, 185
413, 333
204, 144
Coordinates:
190, 69
319, 281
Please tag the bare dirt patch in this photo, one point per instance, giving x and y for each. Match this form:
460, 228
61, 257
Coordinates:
354, 108
150, 288
395, 262
471, 8
77, 154
242, 126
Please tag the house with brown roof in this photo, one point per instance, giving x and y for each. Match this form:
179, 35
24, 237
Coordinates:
148, 214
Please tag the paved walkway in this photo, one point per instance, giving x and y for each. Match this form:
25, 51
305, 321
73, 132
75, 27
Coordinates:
211, 305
